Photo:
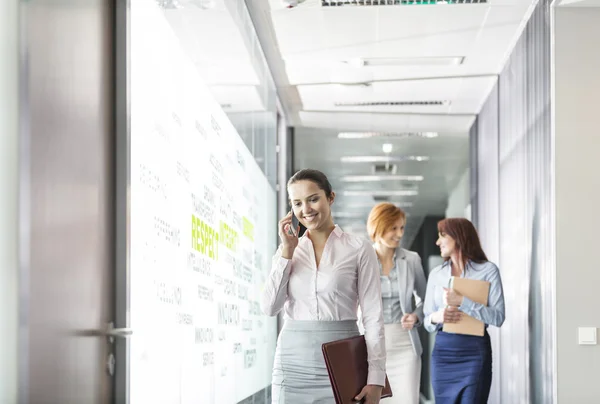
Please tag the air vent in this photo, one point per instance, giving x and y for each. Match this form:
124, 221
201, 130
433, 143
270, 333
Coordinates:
367, 135
384, 168
338, 3
392, 104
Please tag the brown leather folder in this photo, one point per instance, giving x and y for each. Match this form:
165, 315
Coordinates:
477, 291
347, 365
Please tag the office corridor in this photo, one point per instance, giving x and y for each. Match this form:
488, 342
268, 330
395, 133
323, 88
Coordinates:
146, 153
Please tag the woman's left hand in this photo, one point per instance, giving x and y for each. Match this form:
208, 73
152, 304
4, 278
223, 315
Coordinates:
371, 394
452, 298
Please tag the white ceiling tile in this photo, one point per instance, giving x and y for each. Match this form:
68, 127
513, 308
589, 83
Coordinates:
466, 95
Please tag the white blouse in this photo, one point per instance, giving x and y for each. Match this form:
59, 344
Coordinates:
347, 276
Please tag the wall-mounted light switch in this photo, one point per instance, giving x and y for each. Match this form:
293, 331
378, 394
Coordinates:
587, 336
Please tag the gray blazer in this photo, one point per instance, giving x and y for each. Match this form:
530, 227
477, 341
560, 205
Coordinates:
412, 287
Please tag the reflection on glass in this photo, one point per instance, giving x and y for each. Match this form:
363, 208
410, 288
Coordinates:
219, 37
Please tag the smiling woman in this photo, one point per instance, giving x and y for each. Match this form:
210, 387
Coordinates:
311, 198
403, 290
461, 364
319, 280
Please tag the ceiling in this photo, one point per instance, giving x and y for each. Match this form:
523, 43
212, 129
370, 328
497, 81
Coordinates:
382, 69
393, 68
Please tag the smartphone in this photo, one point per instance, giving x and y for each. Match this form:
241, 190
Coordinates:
294, 228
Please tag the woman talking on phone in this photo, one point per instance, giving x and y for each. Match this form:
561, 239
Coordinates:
461, 365
320, 280
403, 287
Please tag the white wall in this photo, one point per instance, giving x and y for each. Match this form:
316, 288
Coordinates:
8, 199
460, 198
577, 188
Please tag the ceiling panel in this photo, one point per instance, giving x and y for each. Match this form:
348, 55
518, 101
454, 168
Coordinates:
480, 33
465, 95
376, 32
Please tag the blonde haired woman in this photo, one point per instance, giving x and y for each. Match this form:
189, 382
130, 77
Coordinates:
403, 288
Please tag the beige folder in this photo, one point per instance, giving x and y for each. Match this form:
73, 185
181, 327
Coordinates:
475, 290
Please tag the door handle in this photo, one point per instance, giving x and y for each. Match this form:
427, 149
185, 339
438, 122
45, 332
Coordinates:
111, 332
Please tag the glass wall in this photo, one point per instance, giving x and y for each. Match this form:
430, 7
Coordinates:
220, 39
203, 212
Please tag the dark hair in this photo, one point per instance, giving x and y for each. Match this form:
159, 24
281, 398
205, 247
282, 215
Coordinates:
316, 176
467, 240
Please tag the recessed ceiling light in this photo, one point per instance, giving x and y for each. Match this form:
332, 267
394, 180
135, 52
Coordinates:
367, 135
396, 192
381, 159
371, 178
387, 148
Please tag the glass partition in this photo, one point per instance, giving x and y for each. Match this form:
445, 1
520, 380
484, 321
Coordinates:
219, 38
203, 205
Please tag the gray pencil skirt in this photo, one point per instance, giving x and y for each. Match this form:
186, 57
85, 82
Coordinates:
299, 372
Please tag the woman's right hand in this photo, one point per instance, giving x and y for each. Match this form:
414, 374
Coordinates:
450, 314
288, 236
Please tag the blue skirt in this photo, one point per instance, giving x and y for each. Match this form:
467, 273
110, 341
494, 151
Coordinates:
461, 368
